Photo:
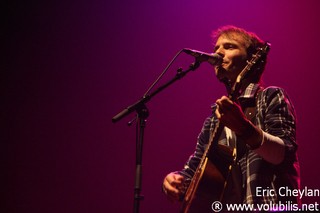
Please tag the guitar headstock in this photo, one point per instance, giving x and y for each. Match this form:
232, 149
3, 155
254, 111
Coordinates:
257, 58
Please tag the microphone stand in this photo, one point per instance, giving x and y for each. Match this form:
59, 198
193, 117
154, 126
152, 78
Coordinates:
142, 115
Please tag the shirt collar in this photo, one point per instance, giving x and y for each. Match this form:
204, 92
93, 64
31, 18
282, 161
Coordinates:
248, 95
250, 91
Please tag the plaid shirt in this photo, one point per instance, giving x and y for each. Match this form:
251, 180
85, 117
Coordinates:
274, 115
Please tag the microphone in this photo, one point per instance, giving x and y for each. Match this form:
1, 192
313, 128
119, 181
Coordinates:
213, 58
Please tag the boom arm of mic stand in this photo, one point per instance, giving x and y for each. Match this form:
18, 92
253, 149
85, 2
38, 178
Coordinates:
134, 107
142, 113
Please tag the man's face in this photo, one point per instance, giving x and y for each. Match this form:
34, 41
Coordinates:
233, 51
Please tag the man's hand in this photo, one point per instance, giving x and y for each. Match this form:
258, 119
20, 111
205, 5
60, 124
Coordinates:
230, 114
171, 184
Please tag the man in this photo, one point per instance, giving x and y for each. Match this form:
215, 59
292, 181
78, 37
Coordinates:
265, 144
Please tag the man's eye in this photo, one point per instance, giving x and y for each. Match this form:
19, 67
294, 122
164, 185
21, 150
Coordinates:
230, 46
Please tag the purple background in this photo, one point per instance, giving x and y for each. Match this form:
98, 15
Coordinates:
70, 66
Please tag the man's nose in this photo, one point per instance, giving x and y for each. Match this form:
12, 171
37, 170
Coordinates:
220, 52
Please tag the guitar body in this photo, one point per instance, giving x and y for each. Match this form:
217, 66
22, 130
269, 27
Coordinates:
209, 181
